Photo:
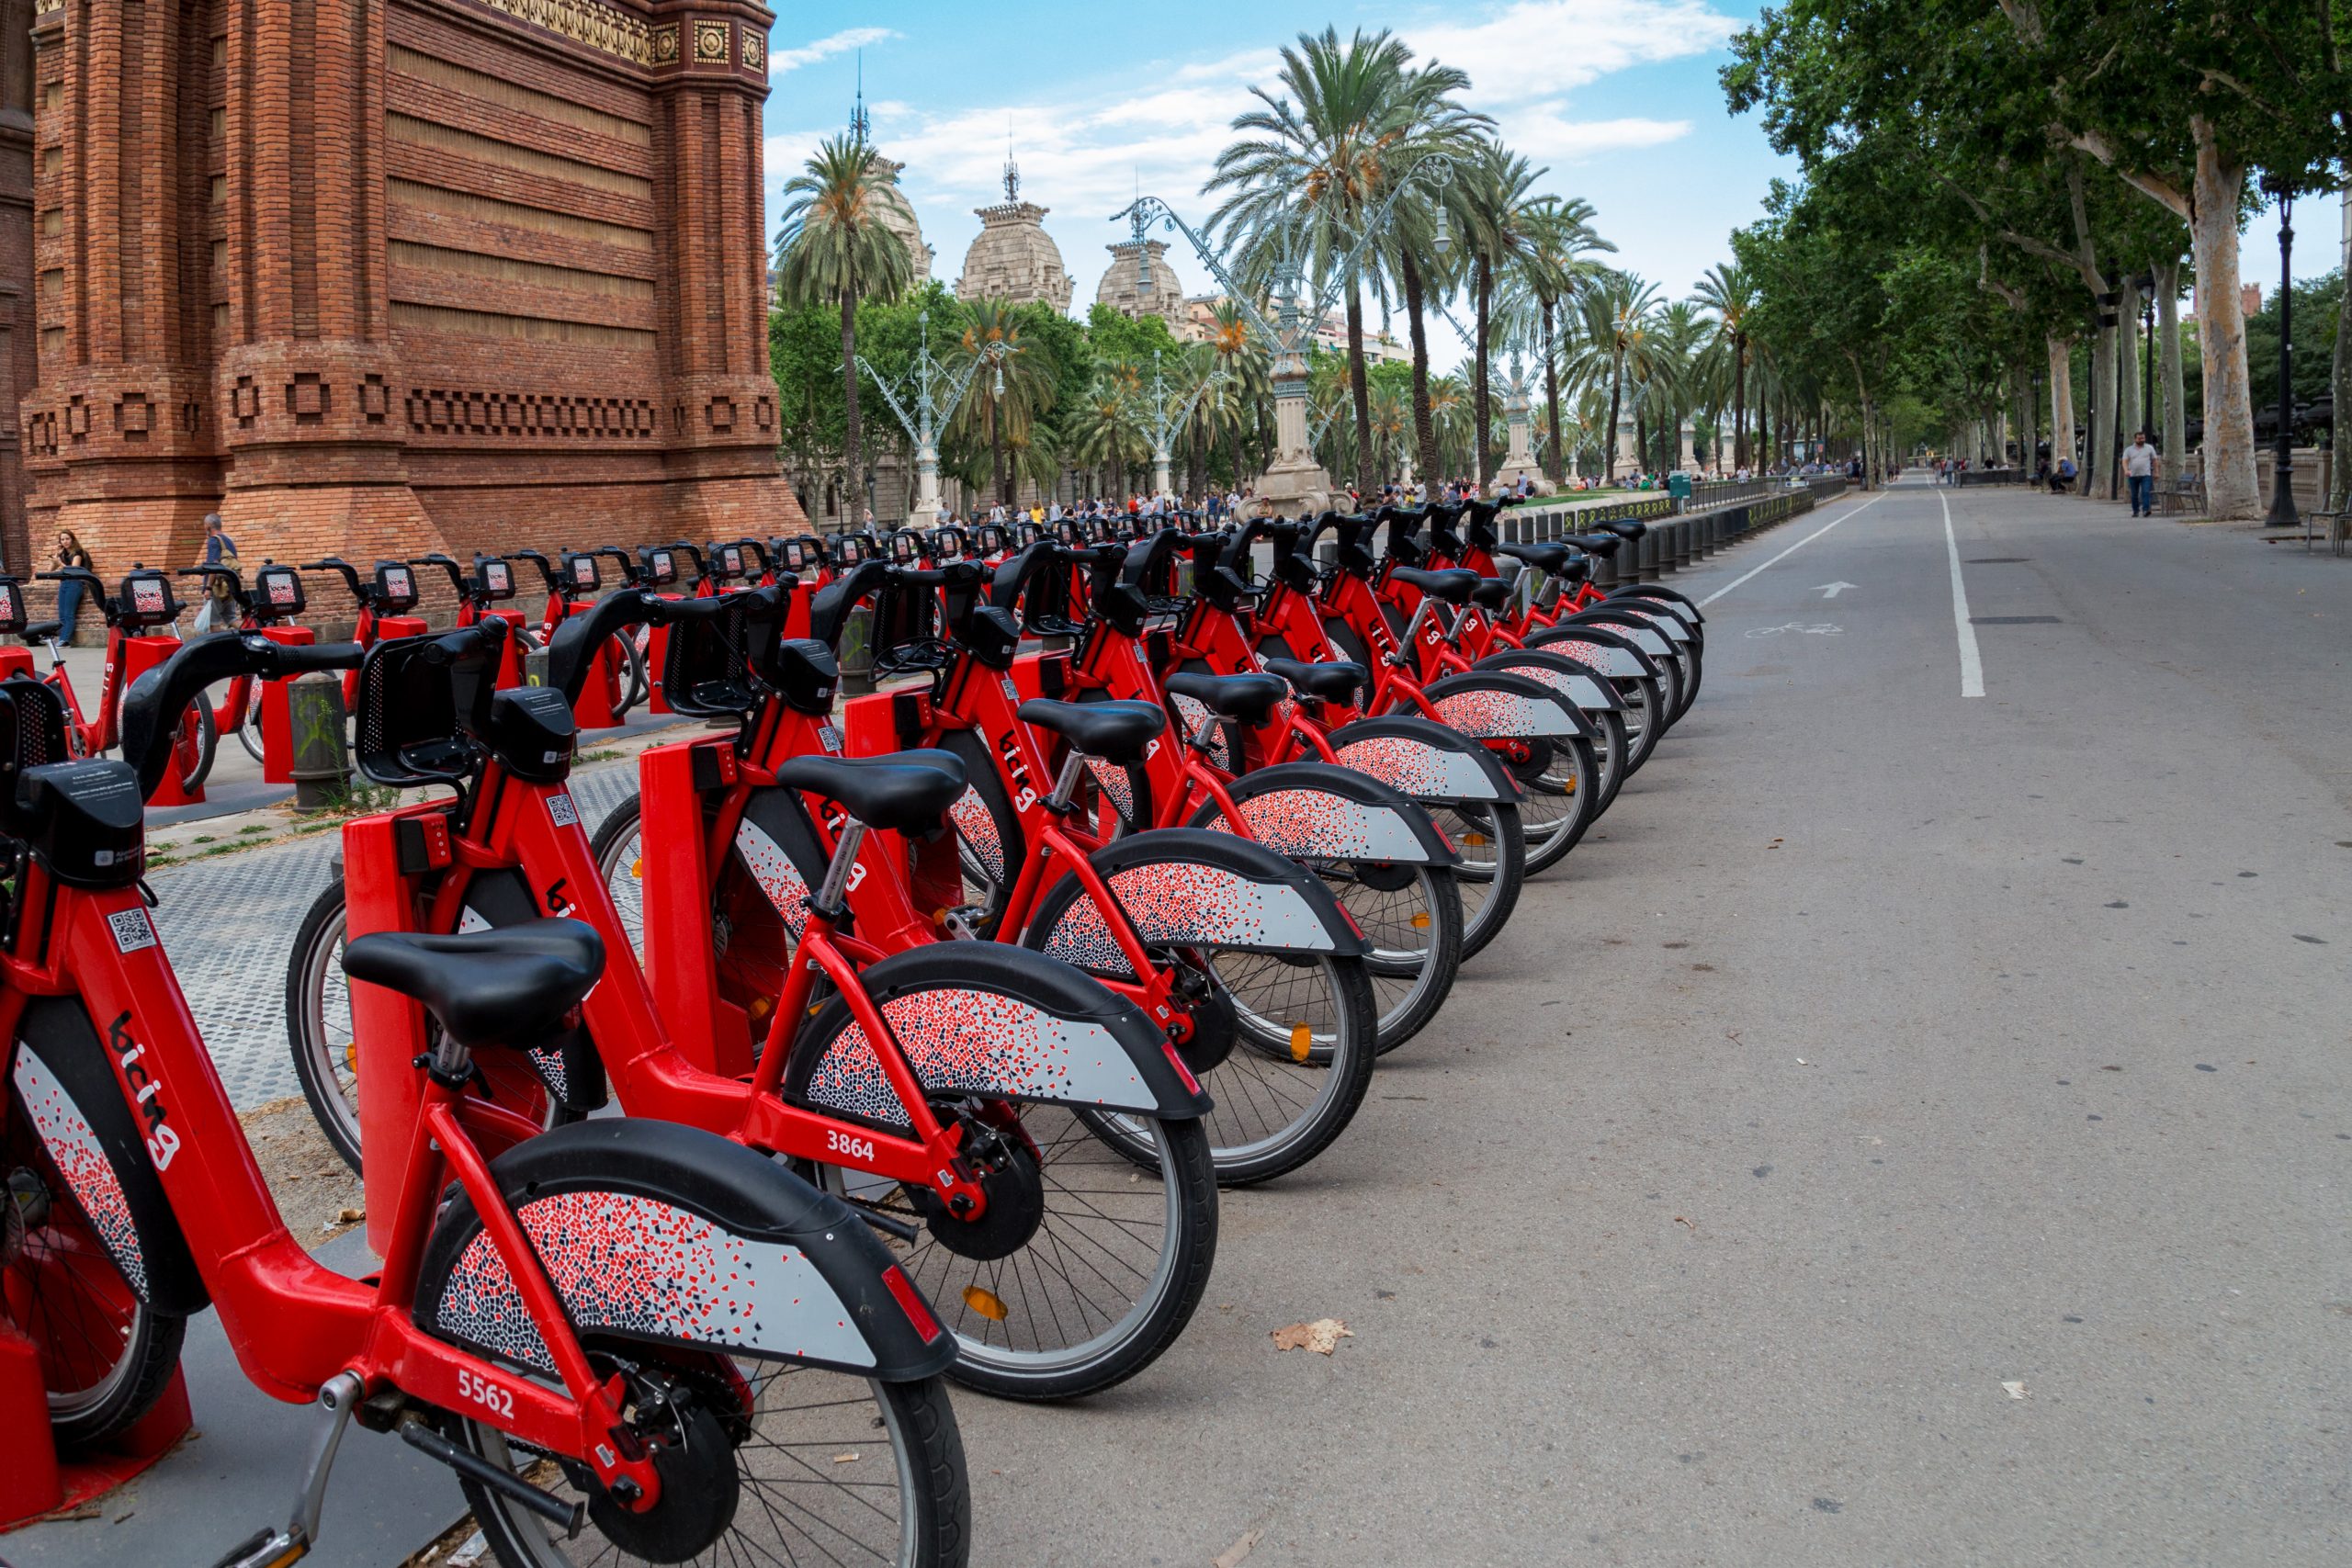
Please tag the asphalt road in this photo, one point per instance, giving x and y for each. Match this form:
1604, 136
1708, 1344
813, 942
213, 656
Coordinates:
1913, 1129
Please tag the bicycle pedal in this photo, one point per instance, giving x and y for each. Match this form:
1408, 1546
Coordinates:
266, 1547
961, 923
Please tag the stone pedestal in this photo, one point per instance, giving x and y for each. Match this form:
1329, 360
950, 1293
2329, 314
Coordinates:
1295, 484
1519, 461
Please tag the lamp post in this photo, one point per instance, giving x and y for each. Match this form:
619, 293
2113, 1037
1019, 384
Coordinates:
2146, 284
2282, 491
923, 425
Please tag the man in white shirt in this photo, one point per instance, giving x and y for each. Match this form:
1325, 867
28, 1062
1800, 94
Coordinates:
2140, 466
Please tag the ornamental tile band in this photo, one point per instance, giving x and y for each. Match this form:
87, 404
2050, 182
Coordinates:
600, 27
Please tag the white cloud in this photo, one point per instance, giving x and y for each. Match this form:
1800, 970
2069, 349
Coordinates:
1085, 156
783, 59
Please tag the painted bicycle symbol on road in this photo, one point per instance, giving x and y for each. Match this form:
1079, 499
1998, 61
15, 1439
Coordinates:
1816, 628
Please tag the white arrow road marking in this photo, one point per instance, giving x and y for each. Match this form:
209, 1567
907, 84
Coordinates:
1792, 549
1831, 590
1972, 664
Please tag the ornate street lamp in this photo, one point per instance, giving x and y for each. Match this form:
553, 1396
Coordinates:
2282, 493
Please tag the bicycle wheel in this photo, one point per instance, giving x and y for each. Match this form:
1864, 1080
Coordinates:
774, 1462
200, 736
1108, 1282
631, 663
249, 724
1493, 845
1562, 782
619, 848
1411, 916
1114, 1259
106, 1356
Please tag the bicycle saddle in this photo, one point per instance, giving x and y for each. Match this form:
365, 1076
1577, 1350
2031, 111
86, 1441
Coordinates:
1596, 544
1451, 586
904, 792
508, 986
1248, 698
1626, 530
1547, 558
1118, 732
1490, 592
41, 631
1331, 683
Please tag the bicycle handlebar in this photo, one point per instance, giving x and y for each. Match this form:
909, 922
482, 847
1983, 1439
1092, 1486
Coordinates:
151, 709
448, 564
350, 574
573, 648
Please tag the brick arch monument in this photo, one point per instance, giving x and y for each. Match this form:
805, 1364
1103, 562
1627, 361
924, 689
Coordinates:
375, 279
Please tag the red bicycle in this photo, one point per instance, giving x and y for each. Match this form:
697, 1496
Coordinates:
144, 603
1251, 970
946, 1091
627, 1326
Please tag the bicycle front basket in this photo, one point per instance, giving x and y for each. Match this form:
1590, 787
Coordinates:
408, 727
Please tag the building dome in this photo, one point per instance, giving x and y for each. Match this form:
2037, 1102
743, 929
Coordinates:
898, 216
1012, 257
1122, 286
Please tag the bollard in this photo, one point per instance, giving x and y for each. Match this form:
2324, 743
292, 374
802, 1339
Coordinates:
1648, 564
314, 720
1683, 528
857, 652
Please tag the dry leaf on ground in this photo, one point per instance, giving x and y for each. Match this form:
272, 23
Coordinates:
2015, 1390
1232, 1555
1322, 1336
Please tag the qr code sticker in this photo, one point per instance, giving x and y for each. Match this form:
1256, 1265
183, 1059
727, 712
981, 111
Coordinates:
561, 812
132, 931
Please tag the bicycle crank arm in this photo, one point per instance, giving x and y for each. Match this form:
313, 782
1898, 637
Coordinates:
568, 1516
274, 1548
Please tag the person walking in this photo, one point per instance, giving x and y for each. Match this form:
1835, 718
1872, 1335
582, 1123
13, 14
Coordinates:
2140, 466
218, 551
70, 555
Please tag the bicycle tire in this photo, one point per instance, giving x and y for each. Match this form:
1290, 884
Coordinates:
1502, 874
208, 745
928, 1450
114, 1397
249, 726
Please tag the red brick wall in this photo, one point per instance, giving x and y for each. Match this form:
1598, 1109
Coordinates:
374, 278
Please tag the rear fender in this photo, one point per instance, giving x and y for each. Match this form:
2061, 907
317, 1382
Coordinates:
1688, 607
1190, 888
1660, 614
63, 1080
983, 1018
1600, 647
1629, 625
1493, 705
1579, 682
1424, 760
1316, 811
664, 1234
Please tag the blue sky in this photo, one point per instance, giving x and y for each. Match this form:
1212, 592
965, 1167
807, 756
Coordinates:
1618, 99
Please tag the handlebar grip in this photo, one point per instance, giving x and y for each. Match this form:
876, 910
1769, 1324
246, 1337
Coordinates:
311, 659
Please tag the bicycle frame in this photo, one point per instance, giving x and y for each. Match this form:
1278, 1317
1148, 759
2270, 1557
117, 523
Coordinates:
292, 1322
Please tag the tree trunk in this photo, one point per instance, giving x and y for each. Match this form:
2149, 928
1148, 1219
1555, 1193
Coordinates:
1424, 426
2169, 371
1480, 413
2231, 489
1642, 453
1739, 400
2099, 460
2128, 416
1002, 491
1608, 436
1558, 470
1358, 389
1862, 390
2340, 382
852, 472
2062, 399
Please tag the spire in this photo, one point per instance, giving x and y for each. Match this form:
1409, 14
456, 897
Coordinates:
860, 127
1012, 169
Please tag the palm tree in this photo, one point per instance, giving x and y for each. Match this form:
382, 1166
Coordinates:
1494, 200
1727, 293
1307, 174
1615, 322
834, 247
1013, 385
1104, 432
1556, 267
1234, 405
1414, 248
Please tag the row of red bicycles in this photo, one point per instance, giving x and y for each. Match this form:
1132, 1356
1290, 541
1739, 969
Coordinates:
873, 1040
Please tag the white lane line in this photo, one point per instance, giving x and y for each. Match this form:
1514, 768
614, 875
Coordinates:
1792, 549
1972, 664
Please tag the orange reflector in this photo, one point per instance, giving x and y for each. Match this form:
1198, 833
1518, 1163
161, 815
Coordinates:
762, 1007
1474, 840
1421, 921
986, 1303
351, 1055
637, 868
1301, 1040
